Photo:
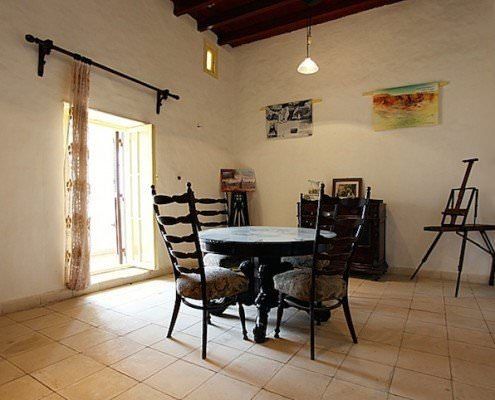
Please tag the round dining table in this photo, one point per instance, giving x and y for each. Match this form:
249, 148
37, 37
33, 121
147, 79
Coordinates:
266, 245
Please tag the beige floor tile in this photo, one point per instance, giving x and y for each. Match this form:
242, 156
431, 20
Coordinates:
222, 387
387, 310
12, 332
417, 386
381, 334
179, 379
277, 349
426, 363
21, 316
8, 372
42, 357
365, 373
326, 362
489, 315
470, 336
178, 345
425, 329
463, 312
25, 388
252, 369
124, 325
375, 351
217, 356
468, 302
5, 321
148, 335
332, 341
338, 389
113, 350
379, 321
467, 323
53, 396
476, 354
87, 339
298, 384
63, 331
214, 330
69, 304
426, 316
233, 338
103, 385
472, 373
144, 363
427, 344
67, 372
22, 344
469, 392
46, 321
266, 395
143, 392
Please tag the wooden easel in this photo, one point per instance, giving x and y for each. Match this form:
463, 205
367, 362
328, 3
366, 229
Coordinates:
454, 210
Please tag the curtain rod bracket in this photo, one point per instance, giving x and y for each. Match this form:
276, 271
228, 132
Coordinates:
46, 46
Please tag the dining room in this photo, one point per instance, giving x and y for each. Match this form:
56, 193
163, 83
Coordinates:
244, 199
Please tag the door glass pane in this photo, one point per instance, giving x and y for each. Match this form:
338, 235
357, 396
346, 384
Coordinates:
101, 176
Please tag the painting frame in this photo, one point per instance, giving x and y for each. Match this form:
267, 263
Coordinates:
410, 106
349, 183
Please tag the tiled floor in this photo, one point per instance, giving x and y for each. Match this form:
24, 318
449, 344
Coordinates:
416, 342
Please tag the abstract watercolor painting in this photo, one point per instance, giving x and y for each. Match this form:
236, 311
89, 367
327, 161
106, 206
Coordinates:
406, 107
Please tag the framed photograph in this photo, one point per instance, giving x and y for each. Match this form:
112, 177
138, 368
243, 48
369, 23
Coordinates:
347, 187
289, 120
237, 180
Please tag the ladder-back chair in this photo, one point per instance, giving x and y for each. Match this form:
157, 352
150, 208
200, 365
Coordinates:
327, 279
196, 283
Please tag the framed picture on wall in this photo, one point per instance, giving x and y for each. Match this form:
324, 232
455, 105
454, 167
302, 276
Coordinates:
347, 187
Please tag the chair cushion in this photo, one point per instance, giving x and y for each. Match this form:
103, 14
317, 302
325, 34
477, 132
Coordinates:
219, 260
297, 283
299, 261
220, 282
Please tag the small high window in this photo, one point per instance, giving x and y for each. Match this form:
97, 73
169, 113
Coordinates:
210, 60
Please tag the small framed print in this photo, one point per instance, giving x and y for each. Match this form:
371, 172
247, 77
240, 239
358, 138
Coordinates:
347, 187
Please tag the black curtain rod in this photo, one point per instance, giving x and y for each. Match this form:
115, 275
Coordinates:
46, 46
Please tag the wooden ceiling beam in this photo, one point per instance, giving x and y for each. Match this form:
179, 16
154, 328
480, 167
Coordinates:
323, 12
182, 7
242, 13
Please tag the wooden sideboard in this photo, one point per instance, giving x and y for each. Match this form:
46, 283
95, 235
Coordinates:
369, 258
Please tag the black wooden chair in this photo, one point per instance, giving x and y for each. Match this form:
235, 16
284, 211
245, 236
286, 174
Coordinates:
213, 213
195, 282
324, 285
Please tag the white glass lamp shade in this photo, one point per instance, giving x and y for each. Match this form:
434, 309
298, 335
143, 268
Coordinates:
307, 67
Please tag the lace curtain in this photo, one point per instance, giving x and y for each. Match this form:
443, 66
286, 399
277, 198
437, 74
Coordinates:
77, 244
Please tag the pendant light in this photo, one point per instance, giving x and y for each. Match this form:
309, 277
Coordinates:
308, 66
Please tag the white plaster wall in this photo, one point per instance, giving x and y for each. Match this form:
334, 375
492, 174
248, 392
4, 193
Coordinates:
140, 37
411, 169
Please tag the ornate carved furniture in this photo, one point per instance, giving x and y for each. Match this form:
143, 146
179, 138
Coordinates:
457, 208
327, 279
266, 245
196, 283
369, 257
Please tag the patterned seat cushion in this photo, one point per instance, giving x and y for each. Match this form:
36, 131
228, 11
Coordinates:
297, 284
299, 261
220, 282
218, 260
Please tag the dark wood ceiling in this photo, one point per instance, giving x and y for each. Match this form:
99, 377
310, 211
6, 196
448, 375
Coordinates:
237, 22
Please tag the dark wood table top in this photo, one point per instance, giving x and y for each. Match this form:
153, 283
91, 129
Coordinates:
259, 241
